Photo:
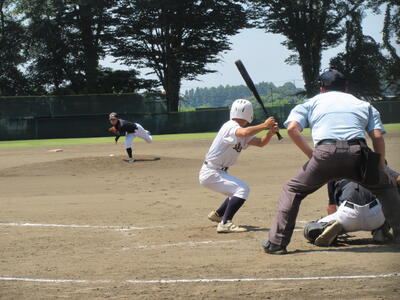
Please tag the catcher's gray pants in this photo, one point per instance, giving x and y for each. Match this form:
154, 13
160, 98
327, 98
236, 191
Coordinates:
327, 163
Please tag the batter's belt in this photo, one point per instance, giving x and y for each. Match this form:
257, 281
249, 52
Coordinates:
216, 167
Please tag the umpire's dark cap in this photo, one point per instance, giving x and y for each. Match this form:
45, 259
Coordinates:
332, 80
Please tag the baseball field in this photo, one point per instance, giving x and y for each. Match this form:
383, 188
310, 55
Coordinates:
84, 224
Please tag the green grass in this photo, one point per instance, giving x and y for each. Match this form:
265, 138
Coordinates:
107, 140
100, 140
392, 127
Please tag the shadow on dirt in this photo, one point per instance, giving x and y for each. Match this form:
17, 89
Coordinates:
367, 245
145, 159
256, 228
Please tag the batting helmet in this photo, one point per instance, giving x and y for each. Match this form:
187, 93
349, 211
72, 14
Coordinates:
242, 109
332, 80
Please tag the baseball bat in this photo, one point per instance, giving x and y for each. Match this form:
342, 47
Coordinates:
252, 88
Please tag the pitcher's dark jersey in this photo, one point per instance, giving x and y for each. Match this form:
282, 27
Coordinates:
124, 127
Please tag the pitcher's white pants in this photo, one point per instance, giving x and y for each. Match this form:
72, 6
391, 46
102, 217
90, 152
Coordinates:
221, 182
140, 132
359, 218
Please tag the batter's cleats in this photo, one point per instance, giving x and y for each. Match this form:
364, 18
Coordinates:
214, 217
271, 248
329, 235
131, 160
229, 227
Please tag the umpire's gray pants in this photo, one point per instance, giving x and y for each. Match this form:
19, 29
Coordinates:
327, 163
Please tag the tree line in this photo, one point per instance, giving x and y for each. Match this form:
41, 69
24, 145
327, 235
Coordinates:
56, 46
222, 96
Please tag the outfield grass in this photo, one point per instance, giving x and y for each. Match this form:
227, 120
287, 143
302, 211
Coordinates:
106, 140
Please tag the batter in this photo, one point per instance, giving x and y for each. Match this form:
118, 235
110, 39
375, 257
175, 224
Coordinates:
232, 138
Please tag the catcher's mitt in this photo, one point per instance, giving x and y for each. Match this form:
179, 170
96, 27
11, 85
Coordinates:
313, 230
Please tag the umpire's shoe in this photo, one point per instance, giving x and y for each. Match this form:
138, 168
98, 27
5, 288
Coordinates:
271, 248
329, 235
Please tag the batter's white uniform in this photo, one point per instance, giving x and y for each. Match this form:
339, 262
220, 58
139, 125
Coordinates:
357, 218
139, 132
222, 154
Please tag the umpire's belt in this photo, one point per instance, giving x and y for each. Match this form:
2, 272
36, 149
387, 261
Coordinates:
349, 142
212, 166
370, 205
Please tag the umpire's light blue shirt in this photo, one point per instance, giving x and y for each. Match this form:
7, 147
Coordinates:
336, 115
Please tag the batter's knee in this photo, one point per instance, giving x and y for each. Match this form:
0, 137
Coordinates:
243, 191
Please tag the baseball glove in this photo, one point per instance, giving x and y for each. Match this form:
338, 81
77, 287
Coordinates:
113, 130
313, 230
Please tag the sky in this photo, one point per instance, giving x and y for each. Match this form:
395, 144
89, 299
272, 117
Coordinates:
264, 57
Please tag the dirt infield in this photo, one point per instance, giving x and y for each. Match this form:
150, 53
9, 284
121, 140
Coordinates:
115, 229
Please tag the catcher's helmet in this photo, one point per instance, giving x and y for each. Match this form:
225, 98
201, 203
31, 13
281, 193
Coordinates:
332, 80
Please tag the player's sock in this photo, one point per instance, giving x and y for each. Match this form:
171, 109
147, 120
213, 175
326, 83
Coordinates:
235, 203
129, 151
221, 210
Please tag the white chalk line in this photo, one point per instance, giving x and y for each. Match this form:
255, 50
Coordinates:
198, 280
76, 226
303, 222
184, 244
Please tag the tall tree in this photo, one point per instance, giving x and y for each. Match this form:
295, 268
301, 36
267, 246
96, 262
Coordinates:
310, 27
122, 81
12, 43
391, 41
174, 39
362, 62
66, 41
49, 47
391, 35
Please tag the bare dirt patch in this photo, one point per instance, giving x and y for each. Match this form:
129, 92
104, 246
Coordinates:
83, 185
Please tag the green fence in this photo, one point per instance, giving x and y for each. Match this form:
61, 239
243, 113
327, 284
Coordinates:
87, 116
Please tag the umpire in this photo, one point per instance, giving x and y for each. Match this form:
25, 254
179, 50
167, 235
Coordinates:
338, 121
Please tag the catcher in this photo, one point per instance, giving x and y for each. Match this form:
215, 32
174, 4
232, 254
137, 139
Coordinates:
130, 130
351, 208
